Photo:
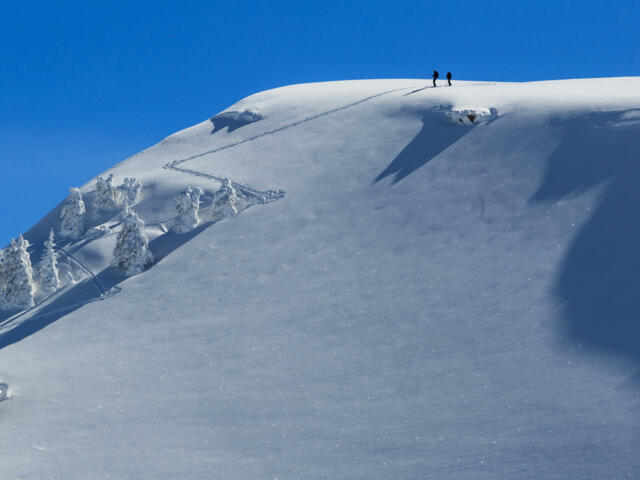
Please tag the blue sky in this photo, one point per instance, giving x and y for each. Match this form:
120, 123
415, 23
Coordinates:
87, 84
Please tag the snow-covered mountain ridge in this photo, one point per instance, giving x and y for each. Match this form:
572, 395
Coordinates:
422, 283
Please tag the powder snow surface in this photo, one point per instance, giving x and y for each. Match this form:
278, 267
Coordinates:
428, 300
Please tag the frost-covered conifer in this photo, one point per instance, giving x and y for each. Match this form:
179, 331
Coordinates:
130, 190
225, 200
188, 207
67, 277
72, 215
107, 195
17, 274
132, 253
48, 274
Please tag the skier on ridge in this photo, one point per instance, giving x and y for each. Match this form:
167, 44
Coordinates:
435, 76
449, 78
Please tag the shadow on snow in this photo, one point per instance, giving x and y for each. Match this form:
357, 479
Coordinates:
600, 276
82, 293
434, 137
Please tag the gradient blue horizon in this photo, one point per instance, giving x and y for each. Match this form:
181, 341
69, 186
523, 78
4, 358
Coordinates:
88, 84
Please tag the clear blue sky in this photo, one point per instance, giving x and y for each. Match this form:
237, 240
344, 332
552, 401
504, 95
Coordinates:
86, 84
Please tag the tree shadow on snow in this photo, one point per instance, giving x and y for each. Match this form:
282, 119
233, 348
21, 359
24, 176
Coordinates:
600, 276
20, 325
435, 136
69, 301
167, 243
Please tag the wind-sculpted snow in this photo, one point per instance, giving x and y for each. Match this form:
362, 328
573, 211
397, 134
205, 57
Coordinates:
429, 300
233, 120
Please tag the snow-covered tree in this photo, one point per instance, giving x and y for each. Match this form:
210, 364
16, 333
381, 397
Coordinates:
225, 200
72, 215
48, 272
188, 207
17, 274
130, 190
107, 195
66, 275
132, 253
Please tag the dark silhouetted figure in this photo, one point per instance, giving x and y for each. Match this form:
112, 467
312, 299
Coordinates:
435, 75
449, 78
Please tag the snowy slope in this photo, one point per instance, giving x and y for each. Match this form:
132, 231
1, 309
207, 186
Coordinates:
427, 298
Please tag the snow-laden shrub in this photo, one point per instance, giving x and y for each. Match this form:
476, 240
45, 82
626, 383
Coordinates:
188, 205
225, 200
72, 215
130, 190
107, 195
66, 273
49, 280
132, 253
16, 275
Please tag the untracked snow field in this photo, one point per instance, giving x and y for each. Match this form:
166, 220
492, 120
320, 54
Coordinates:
421, 283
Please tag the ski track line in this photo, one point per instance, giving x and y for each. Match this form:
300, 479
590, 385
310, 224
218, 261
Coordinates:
270, 195
83, 266
104, 293
37, 315
262, 197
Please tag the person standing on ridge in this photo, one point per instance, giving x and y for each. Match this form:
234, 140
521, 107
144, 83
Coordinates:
435, 75
449, 78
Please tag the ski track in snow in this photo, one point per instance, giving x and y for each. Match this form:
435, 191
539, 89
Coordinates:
72, 306
103, 291
104, 294
269, 195
261, 197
